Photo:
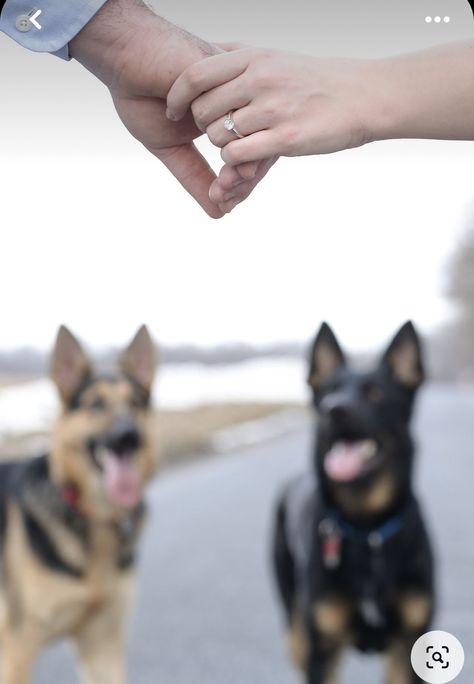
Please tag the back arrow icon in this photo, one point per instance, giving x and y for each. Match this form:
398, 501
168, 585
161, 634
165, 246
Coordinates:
33, 19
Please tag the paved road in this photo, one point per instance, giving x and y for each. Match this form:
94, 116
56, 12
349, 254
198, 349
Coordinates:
206, 612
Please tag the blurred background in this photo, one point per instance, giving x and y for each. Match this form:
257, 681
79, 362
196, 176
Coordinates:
98, 236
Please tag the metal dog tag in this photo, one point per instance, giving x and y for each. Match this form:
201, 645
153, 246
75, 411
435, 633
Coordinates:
371, 612
331, 543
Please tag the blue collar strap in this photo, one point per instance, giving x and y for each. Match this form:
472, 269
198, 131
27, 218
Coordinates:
375, 538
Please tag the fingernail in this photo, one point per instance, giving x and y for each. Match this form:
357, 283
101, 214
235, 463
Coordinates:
170, 115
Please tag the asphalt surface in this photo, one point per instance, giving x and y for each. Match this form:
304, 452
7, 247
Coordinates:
206, 611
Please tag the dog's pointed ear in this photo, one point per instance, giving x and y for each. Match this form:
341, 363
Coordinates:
326, 357
404, 357
70, 367
139, 359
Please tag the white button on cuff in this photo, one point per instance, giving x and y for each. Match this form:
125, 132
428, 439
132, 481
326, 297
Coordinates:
23, 23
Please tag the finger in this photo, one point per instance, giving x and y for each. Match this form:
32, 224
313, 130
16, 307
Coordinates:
240, 190
248, 170
191, 169
245, 189
234, 175
203, 76
229, 177
227, 207
218, 102
247, 120
260, 145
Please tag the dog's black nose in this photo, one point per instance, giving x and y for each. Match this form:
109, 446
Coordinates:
337, 405
341, 410
339, 413
124, 437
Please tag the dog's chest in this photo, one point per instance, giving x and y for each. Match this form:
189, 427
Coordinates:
82, 600
59, 602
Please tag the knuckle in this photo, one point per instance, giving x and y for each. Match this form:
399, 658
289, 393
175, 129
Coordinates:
270, 110
262, 78
194, 76
263, 67
213, 139
214, 135
233, 153
198, 112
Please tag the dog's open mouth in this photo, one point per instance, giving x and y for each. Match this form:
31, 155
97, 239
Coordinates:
349, 460
121, 476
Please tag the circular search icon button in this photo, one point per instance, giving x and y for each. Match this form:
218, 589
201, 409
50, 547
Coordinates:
437, 657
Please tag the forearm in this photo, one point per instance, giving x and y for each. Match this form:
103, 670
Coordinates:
120, 35
425, 95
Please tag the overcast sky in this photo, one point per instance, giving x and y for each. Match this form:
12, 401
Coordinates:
97, 235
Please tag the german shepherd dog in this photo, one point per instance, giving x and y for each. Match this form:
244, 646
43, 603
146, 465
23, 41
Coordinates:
70, 520
353, 560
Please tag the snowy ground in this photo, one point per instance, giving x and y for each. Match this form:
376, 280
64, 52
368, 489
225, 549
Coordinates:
31, 407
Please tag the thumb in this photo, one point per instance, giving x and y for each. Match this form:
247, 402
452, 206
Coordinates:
191, 169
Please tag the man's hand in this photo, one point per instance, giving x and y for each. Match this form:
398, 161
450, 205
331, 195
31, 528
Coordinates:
235, 183
138, 56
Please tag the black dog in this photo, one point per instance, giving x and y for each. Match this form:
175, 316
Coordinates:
352, 556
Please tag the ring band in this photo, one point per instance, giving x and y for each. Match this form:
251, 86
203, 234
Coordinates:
229, 124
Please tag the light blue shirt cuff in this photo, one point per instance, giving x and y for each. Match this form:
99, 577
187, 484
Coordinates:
60, 21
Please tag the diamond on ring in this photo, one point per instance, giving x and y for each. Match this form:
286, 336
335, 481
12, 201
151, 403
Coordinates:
229, 125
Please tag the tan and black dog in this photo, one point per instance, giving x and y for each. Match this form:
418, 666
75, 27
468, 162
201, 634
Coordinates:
352, 556
70, 521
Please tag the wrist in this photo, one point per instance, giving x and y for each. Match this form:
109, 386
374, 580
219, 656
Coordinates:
99, 45
126, 39
376, 99
389, 101
407, 96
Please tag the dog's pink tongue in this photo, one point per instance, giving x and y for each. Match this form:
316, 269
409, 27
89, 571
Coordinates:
345, 461
122, 481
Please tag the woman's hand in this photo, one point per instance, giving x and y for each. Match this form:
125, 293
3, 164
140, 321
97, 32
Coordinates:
290, 104
285, 104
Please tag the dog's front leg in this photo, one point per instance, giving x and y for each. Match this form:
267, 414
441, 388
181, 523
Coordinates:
100, 641
100, 645
415, 610
102, 658
19, 652
322, 666
399, 669
329, 627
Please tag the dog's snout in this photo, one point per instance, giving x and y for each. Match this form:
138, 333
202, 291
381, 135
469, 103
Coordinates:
339, 413
341, 410
336, 405
124, 437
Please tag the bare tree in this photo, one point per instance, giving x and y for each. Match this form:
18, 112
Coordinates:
452, 348
461, 274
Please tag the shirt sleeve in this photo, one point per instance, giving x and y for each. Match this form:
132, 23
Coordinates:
60, 21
